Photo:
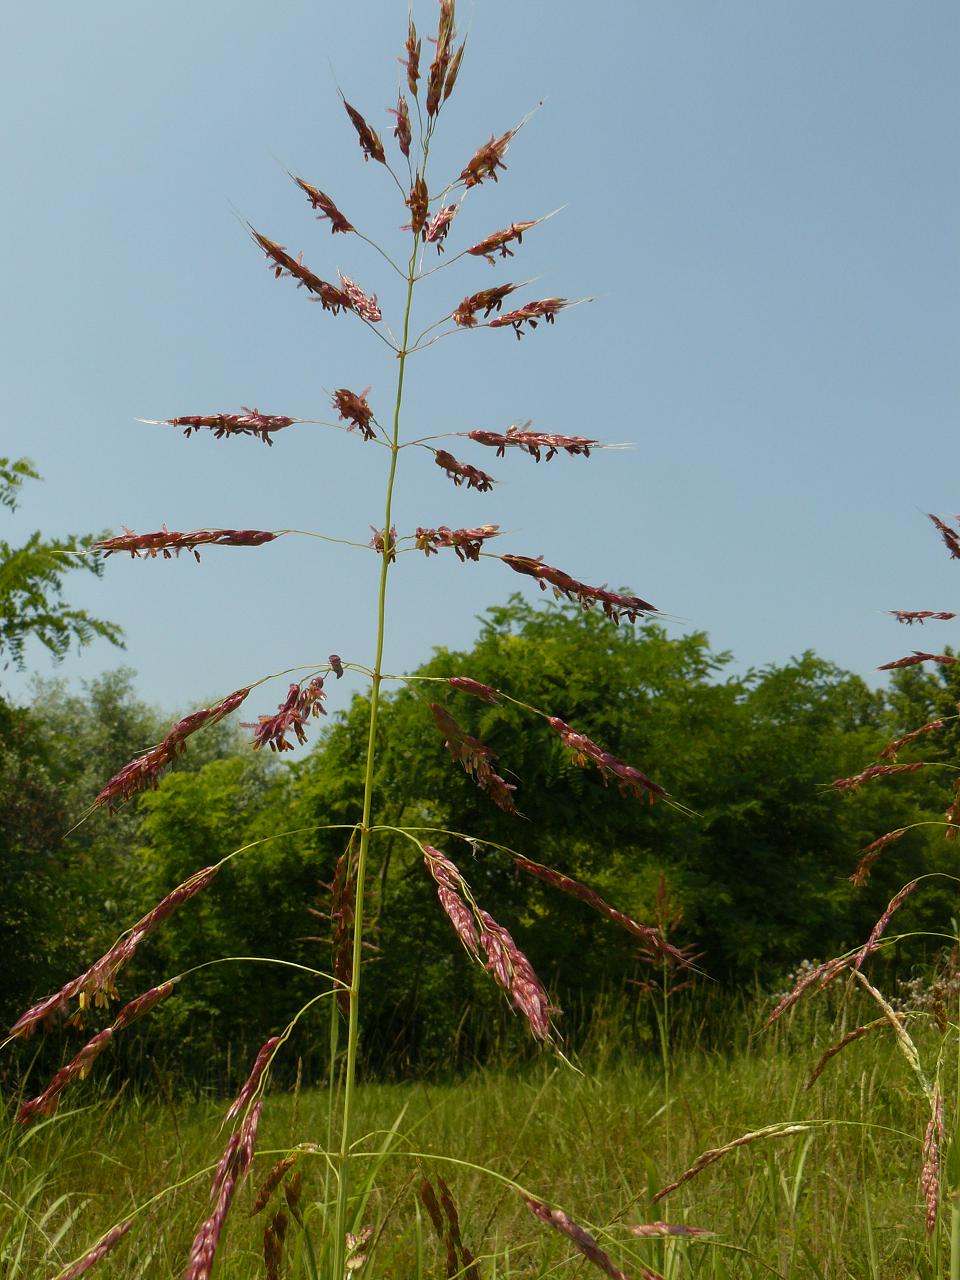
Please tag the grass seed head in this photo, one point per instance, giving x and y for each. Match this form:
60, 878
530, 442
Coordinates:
370, 143
486, 160
327, 209
462, 473
249, 423
106, 1244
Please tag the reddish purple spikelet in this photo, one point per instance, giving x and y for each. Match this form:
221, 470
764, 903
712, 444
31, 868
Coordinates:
891, 749
462, 472
876, 933
439, 226
106, 1244
450, 888
336, 665
514, 973
666, 1229
874, 771
231, 1171
412, 60
99, 981
910, 616
950, 538
614, 605
628, 779
145, 770
479, 690
822, 974
930, 1172
365, 305
417, 203
499, 241
870, 853
272, 1181
169, 543
533, 441
440, 66
327, 209
249, 423
486, 300
380, 545
466, 542
370, 143
402, 131
945, 659
283, 264
531, 313
476, 758
292, 715
581, 1239
252, 1083
486, 160
352, 407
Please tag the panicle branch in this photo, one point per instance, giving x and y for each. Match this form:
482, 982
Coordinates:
486, 160
232, 1169
300, 703
370, 143
402, 130
918, 656
466, 542
145, 770
100, 980
628, 779
365, 305
282, 263
475, 687
531, 313
169, 543
249, 423
327, 209
46, 1103
950, 538
870, 853
581, 1239
412, 61
614, 605
106, 1244
476, 758
910, 616
439, 226
533, 441
875, 771
890, 750
500, 241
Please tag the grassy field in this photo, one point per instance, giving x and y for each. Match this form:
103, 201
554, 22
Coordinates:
838, 1199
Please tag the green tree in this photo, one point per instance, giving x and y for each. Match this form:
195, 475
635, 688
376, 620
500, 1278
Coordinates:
32, 603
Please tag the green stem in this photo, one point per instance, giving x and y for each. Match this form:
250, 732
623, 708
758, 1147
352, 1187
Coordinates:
339, 1244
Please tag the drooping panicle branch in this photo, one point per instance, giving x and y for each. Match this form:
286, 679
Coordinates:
462, 473
249, 423
889, 752
500, 241
490, 942
869, 854
918, 656
169, 543
282, 263
533, 442
581, 1239
46, 1103
320, 201
300, 703
651, 936
145, 770
467, 543
950, 538
477, 758
106, 1244
630, 781
875, 771
614, 605
99, 982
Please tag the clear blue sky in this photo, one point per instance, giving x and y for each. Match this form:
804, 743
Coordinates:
761, 198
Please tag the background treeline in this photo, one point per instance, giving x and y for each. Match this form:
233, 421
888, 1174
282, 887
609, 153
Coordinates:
760, 868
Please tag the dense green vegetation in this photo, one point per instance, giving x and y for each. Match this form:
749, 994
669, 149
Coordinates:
839, 1199
757, 859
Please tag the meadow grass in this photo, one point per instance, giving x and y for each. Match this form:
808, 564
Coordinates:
840, 1199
